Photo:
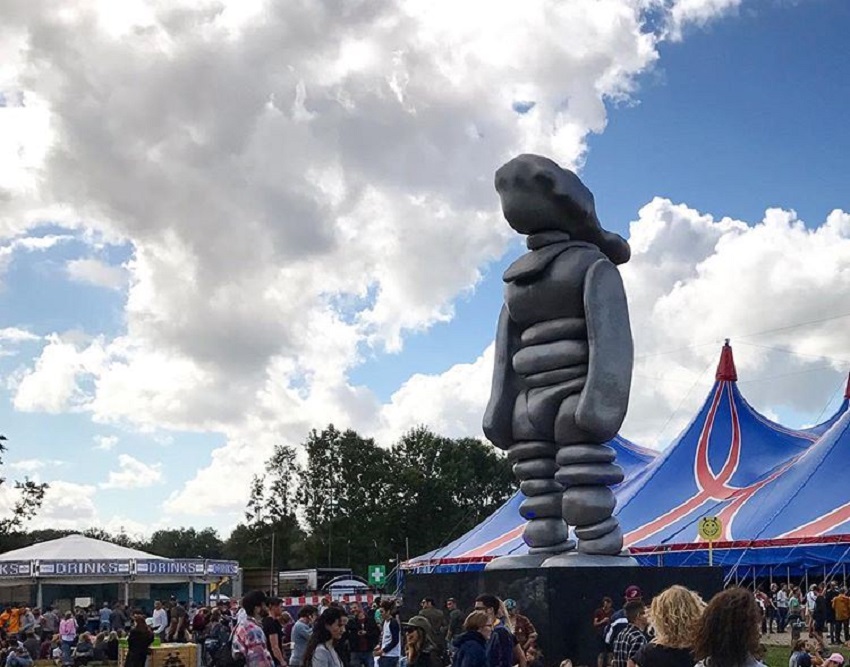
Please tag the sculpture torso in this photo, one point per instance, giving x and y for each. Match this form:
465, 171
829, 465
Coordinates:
556, 289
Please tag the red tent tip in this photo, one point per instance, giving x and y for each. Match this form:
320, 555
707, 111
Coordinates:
726, 368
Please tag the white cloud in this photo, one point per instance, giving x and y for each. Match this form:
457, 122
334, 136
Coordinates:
73, 506
451, 403
12, 337
30, 466
105, 442
95, 272
133, 474
53, 384
698, 13
296, 186
16, 335
26, 244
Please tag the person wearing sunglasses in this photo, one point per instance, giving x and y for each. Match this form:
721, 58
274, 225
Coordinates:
470, 647
421, 650
502, 647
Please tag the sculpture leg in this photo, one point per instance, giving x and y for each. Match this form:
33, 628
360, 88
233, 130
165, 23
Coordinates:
535, 467
586, 470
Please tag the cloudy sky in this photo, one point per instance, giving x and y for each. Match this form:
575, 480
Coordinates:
225, 223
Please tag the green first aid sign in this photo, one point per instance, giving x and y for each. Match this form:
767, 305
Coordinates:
377, 574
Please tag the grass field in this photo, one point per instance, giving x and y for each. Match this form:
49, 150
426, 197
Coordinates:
777, 656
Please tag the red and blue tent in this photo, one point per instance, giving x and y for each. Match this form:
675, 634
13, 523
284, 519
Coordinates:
791, 521
501, 533
730, 462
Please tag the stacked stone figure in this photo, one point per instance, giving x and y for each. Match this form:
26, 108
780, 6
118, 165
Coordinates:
563, 366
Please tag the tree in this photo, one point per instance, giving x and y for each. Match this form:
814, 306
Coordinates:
121, 539
271, 512
448, 485
29, 501
361, 504
185, 543
342, 495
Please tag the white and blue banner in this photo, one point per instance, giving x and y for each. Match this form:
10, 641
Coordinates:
16, 568
83, 568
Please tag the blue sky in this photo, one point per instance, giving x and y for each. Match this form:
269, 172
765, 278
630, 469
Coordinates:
746, 112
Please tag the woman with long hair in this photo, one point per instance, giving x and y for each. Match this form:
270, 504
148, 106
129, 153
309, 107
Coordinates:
470, 646
138, 641
328, 629
728, 633
421, 651
674, 614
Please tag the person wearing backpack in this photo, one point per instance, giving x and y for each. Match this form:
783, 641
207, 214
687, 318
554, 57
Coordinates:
248, 641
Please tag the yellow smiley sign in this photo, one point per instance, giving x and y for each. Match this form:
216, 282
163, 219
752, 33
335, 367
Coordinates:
710, 528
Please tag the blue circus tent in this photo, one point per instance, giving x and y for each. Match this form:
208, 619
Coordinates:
794, 521
501, 533
725, 463
725, 450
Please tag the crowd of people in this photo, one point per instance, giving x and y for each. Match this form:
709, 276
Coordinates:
81, 636
824, 610
676, 629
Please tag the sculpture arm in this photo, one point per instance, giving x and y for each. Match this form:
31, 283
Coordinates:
605, 397
498, 416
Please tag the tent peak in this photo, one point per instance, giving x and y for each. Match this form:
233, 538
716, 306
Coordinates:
726, 368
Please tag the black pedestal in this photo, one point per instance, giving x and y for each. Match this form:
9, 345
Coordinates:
559, 601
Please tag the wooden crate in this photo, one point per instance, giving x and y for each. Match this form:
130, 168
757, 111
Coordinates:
168, 655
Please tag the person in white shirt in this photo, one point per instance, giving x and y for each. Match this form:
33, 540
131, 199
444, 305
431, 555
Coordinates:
160, 618
811, 598
781, 602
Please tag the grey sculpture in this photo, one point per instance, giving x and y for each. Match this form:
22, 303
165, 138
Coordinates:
563, 365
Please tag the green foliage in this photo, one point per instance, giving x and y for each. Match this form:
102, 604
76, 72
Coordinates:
346, 502
28, 502
185, 543
360, 503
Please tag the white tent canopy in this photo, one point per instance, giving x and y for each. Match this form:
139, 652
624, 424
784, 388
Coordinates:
76, 547
77, 559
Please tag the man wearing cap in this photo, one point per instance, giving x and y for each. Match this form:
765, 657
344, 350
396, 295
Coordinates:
524, 630
438, 623
618, 618
249, 640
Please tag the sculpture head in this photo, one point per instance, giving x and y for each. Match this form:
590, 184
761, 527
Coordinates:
538, 196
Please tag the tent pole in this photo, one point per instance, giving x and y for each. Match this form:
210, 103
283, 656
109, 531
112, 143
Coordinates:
788, 576
807, 580
736, 575
39, 600
126, 593
191, 591
843, 575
